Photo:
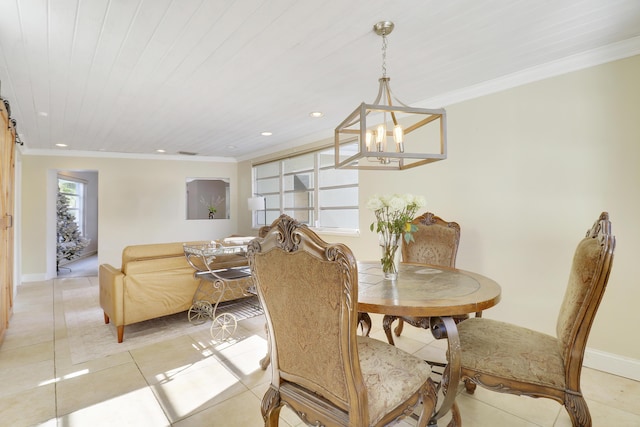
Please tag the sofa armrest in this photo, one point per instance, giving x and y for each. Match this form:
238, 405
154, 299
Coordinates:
112, 293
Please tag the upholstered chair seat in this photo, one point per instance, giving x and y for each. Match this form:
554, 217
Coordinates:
512, 352
391, 376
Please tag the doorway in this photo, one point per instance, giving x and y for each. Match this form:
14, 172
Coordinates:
81, 192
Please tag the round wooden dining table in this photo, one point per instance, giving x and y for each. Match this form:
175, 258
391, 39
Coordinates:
437, 293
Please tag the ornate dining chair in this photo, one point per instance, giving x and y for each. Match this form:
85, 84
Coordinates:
364, 320
325, 372
511, 359
435, 242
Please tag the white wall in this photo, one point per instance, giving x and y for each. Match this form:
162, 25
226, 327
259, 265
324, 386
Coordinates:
529, 170
140, 201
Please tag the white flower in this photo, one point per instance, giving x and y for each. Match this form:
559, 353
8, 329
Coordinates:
397, 204
408, 198
375, 203
420, 201
395, 213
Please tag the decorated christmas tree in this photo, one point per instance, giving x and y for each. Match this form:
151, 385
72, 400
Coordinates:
70, 241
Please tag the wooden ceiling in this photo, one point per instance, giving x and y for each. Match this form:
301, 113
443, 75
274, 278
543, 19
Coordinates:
207, 77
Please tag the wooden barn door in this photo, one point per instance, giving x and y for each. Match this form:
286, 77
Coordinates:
7, 180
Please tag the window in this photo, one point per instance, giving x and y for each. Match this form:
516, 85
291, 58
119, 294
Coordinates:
74, 190
308, 188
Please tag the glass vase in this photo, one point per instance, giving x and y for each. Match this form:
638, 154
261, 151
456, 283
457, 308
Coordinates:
390, 255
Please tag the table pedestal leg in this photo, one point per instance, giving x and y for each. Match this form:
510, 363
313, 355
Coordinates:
445, 327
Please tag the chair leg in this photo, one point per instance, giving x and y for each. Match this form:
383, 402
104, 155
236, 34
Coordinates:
387, 320
578, 411
264, 362
270, 408
106, 318
470, 386
364, 321
120, 333
429, 398
456, 419
273, 417
398, 329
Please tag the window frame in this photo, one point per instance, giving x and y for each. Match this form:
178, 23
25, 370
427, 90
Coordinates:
259, 218
82, 201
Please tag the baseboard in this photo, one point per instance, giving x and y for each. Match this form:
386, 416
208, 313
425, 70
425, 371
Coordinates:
39, 277
612, 364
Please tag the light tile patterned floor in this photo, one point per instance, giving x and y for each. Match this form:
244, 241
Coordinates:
187, 381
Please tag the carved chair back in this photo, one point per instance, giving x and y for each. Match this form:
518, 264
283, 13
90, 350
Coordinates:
588, 279
300, 312
321, 369
262, 231
435, 241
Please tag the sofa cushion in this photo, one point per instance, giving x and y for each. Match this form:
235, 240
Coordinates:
150, 294
154, 250
158, 265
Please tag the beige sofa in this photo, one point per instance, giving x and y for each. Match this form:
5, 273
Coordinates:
155, 280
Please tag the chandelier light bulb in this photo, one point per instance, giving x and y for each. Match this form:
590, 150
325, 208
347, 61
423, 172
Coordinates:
381, 137
398, 137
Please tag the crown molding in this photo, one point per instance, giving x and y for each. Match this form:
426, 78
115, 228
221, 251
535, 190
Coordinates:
114, 155
609, 53
591, 58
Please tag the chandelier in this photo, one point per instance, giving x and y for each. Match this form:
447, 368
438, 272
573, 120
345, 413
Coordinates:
388, 134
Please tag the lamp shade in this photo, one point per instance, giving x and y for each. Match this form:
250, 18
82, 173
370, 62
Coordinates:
256, 203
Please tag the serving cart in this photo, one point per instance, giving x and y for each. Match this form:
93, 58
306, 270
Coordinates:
217, 284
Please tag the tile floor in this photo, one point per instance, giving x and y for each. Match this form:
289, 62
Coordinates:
188, 381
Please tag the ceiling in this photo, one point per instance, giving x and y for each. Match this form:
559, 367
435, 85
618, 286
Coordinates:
208, 76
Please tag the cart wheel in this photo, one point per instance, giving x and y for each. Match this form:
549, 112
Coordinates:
223, 326
199, 312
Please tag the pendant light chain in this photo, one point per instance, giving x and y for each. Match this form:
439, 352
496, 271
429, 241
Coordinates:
384, 55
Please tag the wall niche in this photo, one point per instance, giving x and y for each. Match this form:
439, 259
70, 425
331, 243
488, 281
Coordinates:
208, 198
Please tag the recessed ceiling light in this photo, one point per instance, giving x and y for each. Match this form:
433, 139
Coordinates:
160, 150
43, 113
316, 114
61, 145
231, 147
266, 133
